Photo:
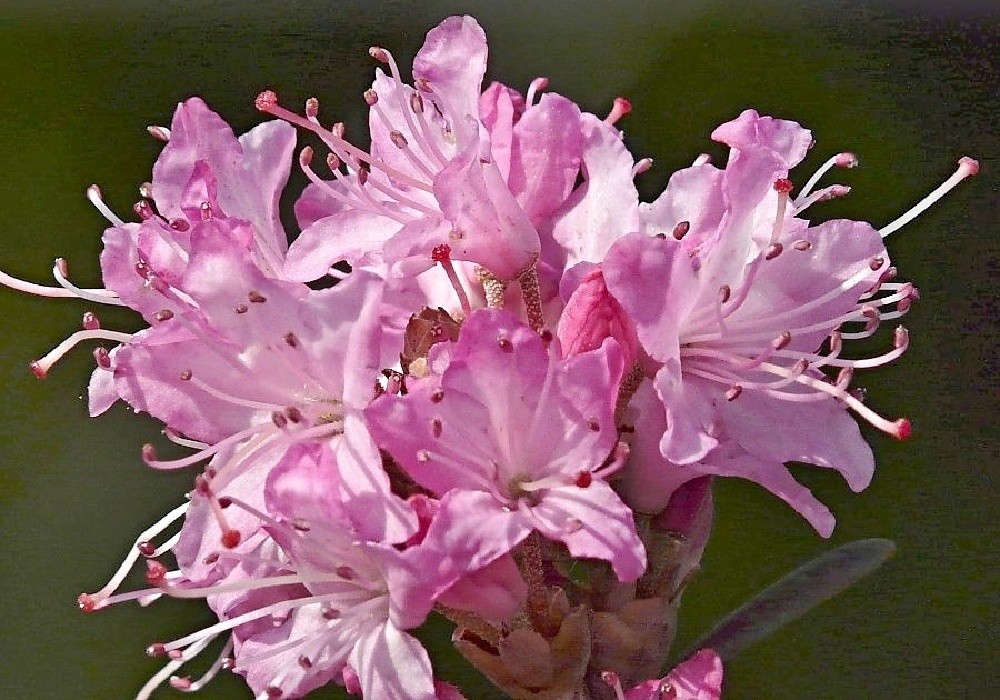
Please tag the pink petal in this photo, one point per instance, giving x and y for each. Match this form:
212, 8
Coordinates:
393, 665
786, 139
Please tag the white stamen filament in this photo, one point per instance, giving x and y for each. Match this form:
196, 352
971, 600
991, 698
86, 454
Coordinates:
97, 199
213, 671
168, 670
966, 168
42, 365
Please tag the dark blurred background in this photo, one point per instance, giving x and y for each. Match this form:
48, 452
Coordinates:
908, 86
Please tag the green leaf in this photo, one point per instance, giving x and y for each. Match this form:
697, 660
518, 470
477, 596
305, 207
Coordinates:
794, 595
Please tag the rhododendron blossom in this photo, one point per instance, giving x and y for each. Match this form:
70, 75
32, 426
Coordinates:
507, 408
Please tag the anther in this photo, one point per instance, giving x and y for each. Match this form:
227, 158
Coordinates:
241, 308
305, 157
903, 426
504, 344
876, 262
802, 244
371, 97
846, 160
210, 558
546, 336
294, 414
312, 108
423, 456
379, 54
279, 419
148, 453
301, 524
346, 573
594, 425
331, 614
773, 251
102, 358
619, 109
733, 392
266, 100
423, 85
681, 229
363, 173
185, 375
641, 166
441, 253
783, 185
206, 211
901, 338
291, 340
437, 395
273, 693
146, 549
231, 538
180, 682
333, 162
62, 266
180, 225
163, 315
782, 341
436, 427
156, 649
155, 572
416, 103
305, 663
256, 297
398, 140
160, 133
584, 479
143, 209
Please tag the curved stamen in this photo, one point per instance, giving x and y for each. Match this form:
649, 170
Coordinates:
967, 167
41, 366
841, 160
96, 198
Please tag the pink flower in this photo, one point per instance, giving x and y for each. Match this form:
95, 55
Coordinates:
697, 678
732, 304
514, 440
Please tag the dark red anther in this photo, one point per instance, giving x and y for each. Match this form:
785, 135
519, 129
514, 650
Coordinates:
773, 251
332, 162
279, 419
423, 85
186, 375
379, 54
584, 479
876, 262
436, 427
90, 321
146, 549
802, 244
241, 308
266, 100
231, 538
86, 602
38, 369
594, 425
724, 293
345, 572
733, 392
782, 341
148, 453
163, 315
291, 340
155, 572
903, 429
202, 485
363, 172
681, 229
437, 396
294, 414
441, 253
371, 97
301, 524
398, 140
331, 614
783, 185
156, 649
210, 558
142, 269
305, 663
180, 225
256, 297
102, 358
225, 502
504, 344
416, 103
143, 209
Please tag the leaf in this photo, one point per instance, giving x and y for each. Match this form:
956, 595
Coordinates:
794, 595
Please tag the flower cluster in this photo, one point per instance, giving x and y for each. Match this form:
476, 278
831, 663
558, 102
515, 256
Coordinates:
484, 378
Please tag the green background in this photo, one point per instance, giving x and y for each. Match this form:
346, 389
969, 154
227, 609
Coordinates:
908, 87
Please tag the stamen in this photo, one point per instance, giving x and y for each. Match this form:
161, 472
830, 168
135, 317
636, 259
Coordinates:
619, 109
40, 368
160, 133
536, 86
702, 159
60, 270
967, 167
642, 166
841, 160
96, 198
